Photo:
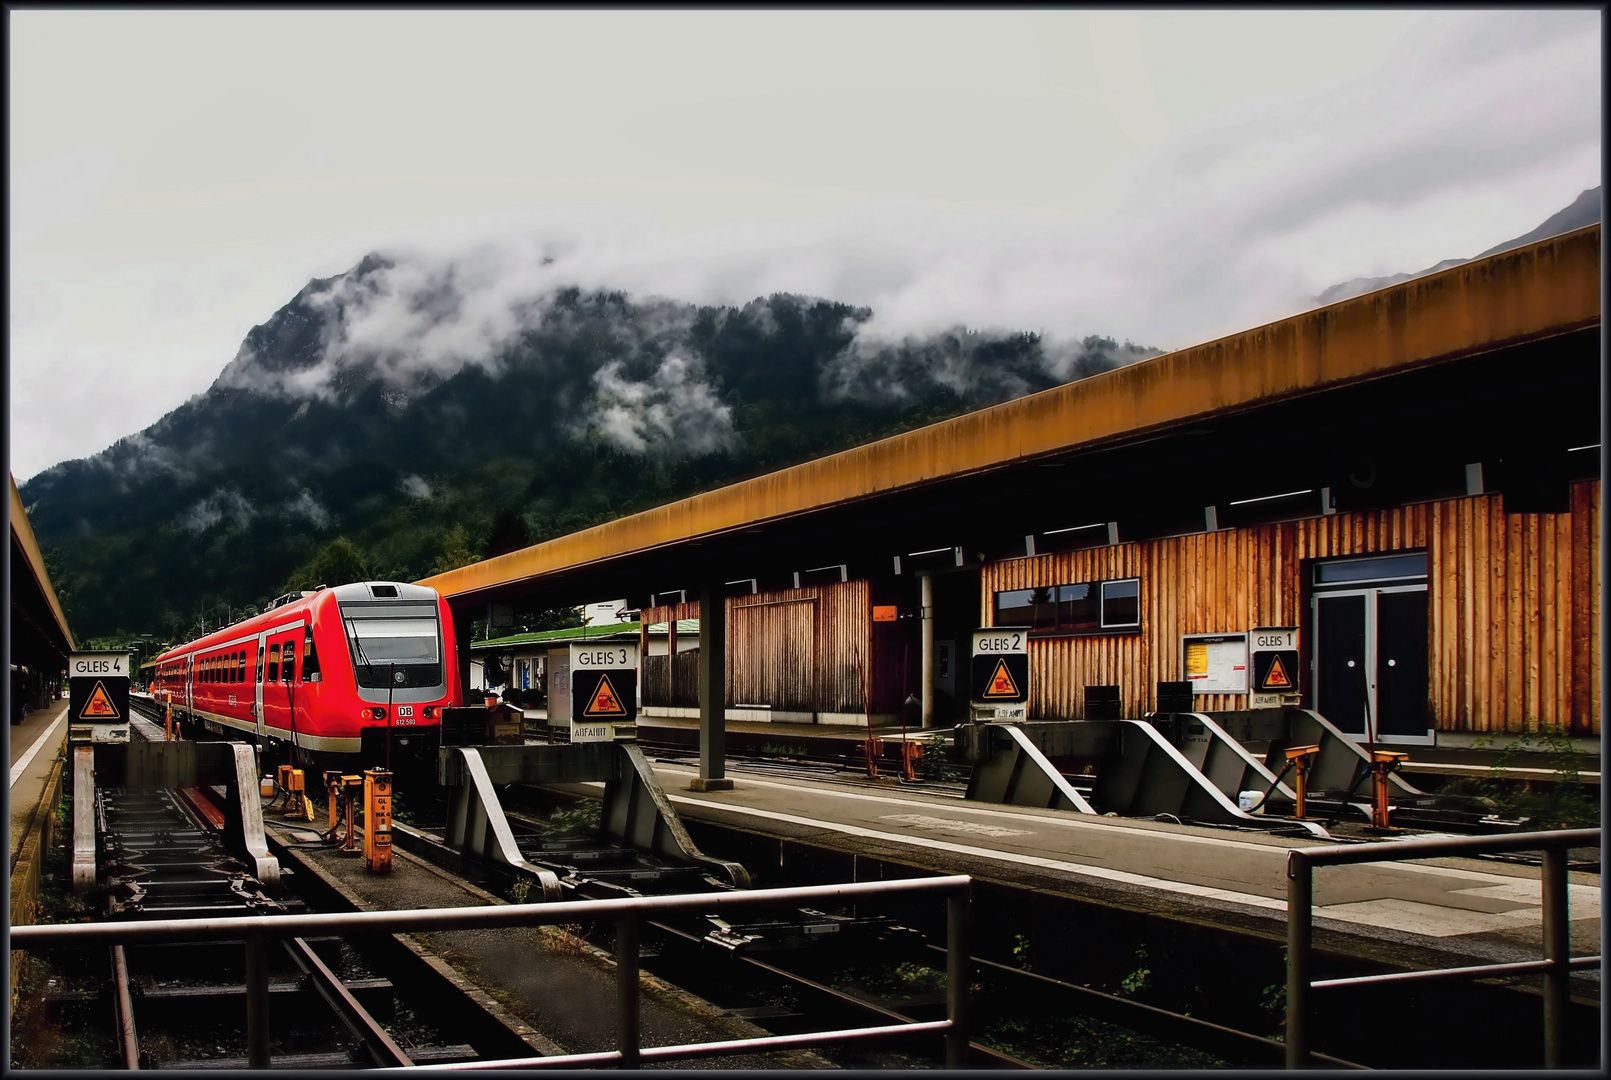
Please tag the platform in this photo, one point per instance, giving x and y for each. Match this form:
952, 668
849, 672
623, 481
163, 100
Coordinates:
1443, 912
36, 743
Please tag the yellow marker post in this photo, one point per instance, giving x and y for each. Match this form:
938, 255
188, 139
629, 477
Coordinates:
378, 820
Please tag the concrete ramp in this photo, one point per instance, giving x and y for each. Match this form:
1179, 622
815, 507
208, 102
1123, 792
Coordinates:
636, 811
1139, 772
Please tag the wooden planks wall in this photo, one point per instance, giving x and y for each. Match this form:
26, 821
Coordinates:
798, 649
1515, 607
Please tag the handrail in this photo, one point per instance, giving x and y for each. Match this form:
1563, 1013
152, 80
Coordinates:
1556, 965
626, 914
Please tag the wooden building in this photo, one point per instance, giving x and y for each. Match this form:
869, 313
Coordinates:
1502, 619
797, 655
1410, 479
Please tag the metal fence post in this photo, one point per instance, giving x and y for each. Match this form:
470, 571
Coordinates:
957, 975
626, 988
257, 1002
1557, 950
1300, 933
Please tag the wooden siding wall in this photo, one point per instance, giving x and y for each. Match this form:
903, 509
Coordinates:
799, 649
1514, 598
671, 680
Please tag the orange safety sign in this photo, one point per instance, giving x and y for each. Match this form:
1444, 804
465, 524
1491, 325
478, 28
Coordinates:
1276, 678
605, 701
1001, 683
99, 706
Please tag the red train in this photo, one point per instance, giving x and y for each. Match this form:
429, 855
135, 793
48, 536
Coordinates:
341, 677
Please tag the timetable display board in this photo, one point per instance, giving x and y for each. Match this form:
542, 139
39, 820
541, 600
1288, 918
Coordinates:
1214, 663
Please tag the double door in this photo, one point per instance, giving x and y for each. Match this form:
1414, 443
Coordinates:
1371, 662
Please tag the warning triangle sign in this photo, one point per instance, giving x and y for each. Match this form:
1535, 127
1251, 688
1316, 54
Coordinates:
99, 706
1276, 678
1001, 684
605, 701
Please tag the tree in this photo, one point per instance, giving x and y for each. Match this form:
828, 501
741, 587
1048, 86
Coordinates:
455, 551
337, 563
531, 622
508, 534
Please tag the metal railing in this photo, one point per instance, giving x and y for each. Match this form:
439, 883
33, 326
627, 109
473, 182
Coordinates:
1556, 965
626, 914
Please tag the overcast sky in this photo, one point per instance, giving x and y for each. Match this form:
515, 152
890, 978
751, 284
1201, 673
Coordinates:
1165, 177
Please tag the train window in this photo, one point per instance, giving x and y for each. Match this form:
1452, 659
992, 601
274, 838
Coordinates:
240, 666
274, 663
310, 658
288, 663
397, 645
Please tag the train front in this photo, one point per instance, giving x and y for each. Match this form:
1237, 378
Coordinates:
400, 647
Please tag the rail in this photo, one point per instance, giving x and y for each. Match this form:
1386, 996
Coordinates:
1556, 966
259, 929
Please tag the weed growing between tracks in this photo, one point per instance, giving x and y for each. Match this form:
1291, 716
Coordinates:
583, 818
1015, 1027
1562, 804
1078, 1042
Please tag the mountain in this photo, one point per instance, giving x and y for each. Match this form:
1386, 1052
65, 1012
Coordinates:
1585, 210
402, 418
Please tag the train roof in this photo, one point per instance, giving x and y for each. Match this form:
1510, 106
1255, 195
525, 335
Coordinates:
291, 606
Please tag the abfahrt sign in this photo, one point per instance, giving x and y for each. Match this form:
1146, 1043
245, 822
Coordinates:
1000, 673
604, 691
98, 697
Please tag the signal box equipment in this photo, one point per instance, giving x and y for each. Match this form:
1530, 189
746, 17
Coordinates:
378, 820
1302, 757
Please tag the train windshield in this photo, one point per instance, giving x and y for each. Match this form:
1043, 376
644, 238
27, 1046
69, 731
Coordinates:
393, 645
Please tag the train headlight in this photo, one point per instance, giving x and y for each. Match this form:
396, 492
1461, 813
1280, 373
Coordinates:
377, 713
432, 712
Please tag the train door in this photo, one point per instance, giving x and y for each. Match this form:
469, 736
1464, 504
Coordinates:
1370, 647
278, 685
257, 699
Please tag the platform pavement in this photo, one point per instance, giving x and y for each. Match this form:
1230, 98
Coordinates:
35, 745
1456, 755
1430, 913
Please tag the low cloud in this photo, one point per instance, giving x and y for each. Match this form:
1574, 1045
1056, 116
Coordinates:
307, 508
672, 413
415, 487
225, 506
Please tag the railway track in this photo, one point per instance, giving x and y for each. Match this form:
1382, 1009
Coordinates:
180, 1006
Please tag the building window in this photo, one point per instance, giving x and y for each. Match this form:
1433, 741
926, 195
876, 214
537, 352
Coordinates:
1082, 607
1121, 603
